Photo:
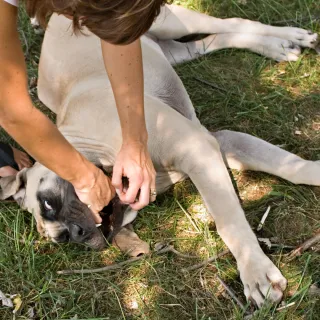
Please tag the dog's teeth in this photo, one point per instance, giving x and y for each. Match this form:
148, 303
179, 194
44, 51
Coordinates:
98, 225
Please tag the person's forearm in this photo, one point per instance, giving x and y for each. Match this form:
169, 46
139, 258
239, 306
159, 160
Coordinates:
26, 124
42, 140
124, 67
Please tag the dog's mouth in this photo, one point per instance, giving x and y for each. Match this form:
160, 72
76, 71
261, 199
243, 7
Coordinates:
112, 217
100, 237
78, 225
84, 231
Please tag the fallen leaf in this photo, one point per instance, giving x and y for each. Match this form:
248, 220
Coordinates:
30, 313
6, 302
17, 304
314, 291
316, 126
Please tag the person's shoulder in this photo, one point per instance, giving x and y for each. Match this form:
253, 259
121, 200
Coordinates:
13, 2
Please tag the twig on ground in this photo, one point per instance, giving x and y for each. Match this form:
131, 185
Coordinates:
188, 216
286, 306
271, 245
263, 219
304, 246
34, 242
179, 254
106, 268
281, 246
204, 263
210, 84
119, 265
232, 294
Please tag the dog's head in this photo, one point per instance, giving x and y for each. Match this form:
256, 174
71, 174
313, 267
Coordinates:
59, 214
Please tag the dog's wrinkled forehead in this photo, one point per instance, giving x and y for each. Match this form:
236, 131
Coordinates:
50, 182
52, 187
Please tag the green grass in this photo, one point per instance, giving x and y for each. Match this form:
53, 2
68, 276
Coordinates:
267, 99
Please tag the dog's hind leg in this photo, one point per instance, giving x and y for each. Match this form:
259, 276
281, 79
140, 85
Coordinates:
245, 152
274, 48
175, 22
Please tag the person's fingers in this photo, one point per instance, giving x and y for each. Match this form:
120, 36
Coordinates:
22, 159
96, 216
153, 189
135, 182
20, 165
117, 179
93, 207
25, 164
112, 192
144, 197
24, 156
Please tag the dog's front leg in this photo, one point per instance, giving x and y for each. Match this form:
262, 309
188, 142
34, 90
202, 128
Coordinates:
205, 166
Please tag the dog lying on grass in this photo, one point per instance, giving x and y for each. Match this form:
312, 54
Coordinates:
73, 84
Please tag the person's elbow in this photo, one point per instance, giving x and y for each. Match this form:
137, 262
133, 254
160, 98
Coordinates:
13, 107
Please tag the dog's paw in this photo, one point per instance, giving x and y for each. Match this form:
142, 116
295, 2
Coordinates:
279, 49
300, 37
262, 280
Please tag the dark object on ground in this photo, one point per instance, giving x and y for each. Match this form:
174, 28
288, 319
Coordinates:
6, 156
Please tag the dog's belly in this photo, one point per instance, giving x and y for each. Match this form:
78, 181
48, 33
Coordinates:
94, 128
69, 61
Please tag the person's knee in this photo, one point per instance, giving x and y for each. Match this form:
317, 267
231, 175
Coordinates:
7, 171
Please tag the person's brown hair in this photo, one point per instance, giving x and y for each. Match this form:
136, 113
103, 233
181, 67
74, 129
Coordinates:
115, 21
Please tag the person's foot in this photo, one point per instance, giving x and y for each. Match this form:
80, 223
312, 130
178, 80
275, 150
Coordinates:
22, 160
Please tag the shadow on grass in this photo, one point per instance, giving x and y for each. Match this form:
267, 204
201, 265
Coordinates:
271, 101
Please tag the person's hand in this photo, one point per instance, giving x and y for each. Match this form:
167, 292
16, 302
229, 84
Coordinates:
21, 158
134, 162
97, 194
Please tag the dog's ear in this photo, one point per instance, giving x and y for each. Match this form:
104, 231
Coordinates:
14, 186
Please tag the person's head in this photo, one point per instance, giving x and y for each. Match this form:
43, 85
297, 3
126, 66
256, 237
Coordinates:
115, 21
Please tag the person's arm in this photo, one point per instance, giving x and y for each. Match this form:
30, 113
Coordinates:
124, 67
33, 130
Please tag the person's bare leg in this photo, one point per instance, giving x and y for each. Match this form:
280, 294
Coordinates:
7, 171
22, 160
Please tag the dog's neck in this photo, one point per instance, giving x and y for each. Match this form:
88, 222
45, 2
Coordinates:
102, 155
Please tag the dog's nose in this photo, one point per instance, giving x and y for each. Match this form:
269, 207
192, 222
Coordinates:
77, 234
63, 237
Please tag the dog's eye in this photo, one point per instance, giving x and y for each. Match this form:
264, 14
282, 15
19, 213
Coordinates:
47, 205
